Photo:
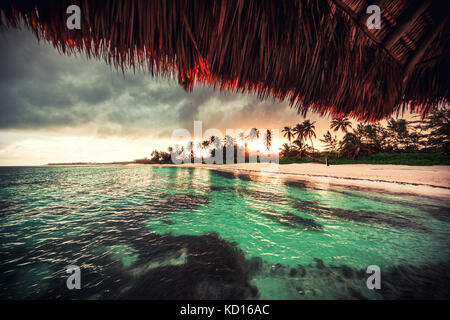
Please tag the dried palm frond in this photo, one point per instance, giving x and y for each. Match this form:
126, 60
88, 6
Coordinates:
317, 54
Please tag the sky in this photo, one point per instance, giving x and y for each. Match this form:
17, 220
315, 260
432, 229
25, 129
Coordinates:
60, 108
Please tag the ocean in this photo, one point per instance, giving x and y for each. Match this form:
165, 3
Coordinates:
182, 233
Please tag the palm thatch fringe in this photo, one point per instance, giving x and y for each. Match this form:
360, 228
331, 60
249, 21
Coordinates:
314, 53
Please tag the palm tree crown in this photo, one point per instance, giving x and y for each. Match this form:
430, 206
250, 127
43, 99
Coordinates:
288, 133
298, 131
268, 139
254, 134
308, 130
340, 123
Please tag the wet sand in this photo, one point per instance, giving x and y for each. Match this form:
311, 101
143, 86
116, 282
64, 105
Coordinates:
422, 180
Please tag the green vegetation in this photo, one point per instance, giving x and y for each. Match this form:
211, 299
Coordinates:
405, 158
420, 142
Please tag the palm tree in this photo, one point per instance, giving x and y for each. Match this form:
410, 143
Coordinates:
341, 123
330, 142
308, 131
228, 141
190, 147
241, 137
373, 135
298, 144
351, 146
199, 145
155, 156
298, 131
288, 133
199, 148
300, 149
215, 142
399, 132
178, 152
437, 126
205, 144
241, 144
240, 141
286, 150
254, 134
268, 139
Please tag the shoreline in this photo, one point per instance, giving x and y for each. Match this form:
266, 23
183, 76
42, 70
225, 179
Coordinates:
432, 181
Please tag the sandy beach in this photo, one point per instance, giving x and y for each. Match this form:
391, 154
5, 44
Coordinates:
423, 180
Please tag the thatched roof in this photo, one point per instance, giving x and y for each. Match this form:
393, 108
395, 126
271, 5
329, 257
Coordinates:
319, 54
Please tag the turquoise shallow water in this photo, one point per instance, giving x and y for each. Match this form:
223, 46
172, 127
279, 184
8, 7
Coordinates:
137, 232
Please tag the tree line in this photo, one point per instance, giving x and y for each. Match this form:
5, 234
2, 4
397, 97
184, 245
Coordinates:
431, 134
208, 148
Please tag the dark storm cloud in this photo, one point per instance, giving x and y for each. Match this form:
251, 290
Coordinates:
39, 89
